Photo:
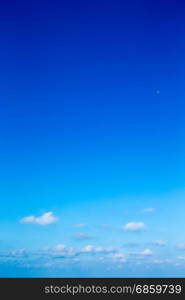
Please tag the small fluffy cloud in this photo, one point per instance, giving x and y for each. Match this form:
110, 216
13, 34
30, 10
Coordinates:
146, 252
88, 248
45, 219
133, 226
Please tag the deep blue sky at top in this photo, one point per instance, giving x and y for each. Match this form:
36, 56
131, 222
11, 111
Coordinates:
80, 115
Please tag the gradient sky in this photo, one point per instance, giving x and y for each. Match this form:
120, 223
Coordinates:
92, 130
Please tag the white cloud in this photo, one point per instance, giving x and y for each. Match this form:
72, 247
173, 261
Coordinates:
92, 249
88, 248
146, 252
61, 251
45, 219
118, 257
158, 243
133, 226
148, 210
59, 247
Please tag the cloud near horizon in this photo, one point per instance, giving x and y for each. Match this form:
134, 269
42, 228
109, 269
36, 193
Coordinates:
92, 249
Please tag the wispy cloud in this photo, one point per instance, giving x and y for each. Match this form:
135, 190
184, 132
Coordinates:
45, 219
158, 243
83, 236
161, 261
59, 247
61, 251
14, 255
118, 257
79, 226
19, 252
181, 246
133, 226
181, 257
92, 249
148, 210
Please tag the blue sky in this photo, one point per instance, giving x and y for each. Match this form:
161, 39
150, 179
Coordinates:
92, 138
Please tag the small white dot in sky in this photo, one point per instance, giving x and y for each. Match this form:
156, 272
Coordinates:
158, 92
